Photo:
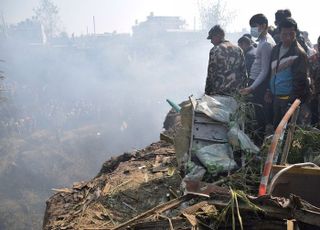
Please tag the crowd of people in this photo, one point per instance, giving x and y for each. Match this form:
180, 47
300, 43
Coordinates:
274, 65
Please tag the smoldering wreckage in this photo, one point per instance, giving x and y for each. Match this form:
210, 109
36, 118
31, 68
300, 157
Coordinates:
204, 173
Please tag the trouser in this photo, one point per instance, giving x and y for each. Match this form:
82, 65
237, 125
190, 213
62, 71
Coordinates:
315, 107
281, 106
260, 114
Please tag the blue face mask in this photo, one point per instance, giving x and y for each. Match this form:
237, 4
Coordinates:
254, 31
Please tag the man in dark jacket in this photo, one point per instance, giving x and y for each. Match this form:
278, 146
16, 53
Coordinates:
280, 15
289, 70
315, 85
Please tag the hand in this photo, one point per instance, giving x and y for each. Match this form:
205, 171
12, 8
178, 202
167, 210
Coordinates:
268, 97
245, 91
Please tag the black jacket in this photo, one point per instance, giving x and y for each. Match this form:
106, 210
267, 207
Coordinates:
289, 75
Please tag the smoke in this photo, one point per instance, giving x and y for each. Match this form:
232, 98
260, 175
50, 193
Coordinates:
71, 106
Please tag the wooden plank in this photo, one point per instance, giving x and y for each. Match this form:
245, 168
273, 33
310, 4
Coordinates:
305, 216
290, 225
158, 209
193, 102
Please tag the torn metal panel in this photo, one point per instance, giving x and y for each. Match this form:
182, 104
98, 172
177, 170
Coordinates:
303, 182
206, 129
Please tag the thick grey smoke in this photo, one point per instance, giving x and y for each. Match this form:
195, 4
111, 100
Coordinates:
75, 102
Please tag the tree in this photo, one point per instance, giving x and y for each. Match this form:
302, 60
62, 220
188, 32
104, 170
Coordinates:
48, 15
3, 27
1, 86
214, 12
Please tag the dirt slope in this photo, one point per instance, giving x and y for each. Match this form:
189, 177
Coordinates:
125, 187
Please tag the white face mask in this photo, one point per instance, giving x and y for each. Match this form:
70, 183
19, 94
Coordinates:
254, 31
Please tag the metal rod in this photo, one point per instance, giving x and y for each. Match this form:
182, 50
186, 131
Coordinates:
273, 147
289, 138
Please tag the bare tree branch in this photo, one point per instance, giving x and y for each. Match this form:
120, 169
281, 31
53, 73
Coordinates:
48, 15
214, 12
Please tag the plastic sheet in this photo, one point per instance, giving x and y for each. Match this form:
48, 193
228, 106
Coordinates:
219, 108
239, 140
216, 158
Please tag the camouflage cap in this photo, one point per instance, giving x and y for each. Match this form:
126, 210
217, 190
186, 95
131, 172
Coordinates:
215, 31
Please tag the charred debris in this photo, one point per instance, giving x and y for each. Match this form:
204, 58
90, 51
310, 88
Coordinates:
204, 173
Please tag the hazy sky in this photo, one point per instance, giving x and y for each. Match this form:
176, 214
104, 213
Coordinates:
120, 15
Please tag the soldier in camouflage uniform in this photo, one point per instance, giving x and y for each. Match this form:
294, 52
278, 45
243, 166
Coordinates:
226, 68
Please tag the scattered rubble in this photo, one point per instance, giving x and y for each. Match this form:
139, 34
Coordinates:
175, 187
137, 194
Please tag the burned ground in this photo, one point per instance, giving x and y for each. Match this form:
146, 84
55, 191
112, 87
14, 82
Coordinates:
125, 187
143, 190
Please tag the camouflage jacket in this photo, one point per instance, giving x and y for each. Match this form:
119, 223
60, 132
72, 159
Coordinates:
226, 69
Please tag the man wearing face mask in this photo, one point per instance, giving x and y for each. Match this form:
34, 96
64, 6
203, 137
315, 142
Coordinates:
259, 71
226, 68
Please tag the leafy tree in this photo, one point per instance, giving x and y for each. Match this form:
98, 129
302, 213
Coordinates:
214, 12
48, 15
